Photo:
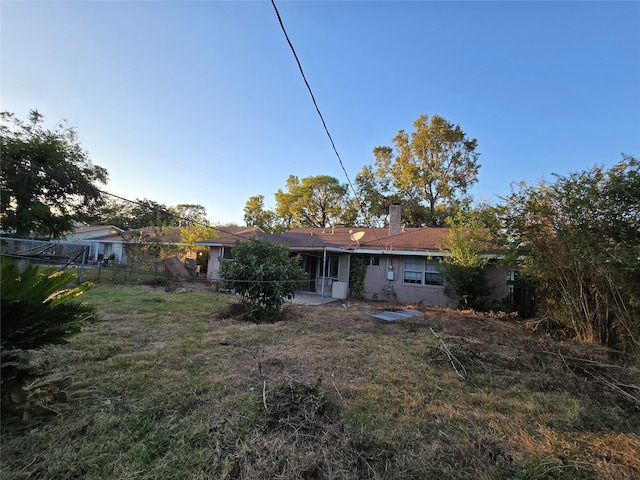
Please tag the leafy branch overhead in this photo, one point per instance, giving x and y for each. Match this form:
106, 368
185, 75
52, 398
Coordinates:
46, 179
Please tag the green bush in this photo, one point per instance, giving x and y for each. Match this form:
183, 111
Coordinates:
464, 283
36, 306
36, 310
462, 266
264, 274
579, 238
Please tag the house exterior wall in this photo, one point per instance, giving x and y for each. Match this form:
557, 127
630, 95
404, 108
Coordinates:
99, 249
386, 282
496, 278
343, 267
90, 233
213, 267
379, 286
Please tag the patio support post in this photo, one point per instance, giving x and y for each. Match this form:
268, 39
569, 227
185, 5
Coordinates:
324, 271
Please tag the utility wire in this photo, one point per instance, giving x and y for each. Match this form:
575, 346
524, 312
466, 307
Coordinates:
326, 129
313, 98
163, 210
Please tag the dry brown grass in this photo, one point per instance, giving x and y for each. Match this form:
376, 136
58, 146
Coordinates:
327, 393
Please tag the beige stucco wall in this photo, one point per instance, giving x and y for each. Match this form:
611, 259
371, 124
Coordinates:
377, 286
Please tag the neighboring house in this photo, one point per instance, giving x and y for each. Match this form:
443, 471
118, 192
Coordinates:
112, 242
401, 262
98, 249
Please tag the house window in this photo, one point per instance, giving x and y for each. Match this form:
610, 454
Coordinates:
422, 271
413, 270
431, 274
375, 260
332, 267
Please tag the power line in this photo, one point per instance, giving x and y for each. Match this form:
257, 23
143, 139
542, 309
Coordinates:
295, 55
313, 98
163, 210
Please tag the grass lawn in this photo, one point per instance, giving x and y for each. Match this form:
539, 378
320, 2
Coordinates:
176, 390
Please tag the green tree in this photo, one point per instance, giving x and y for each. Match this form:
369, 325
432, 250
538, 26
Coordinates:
149, 213
46, 179
141, 213
463, 265
431, 172
194, 233
256, 215
372, 202
580, 238
186, 214
114, 212
316, 201
264, 274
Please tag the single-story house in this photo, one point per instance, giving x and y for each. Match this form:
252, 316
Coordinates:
108, 242
94, 235
401, 262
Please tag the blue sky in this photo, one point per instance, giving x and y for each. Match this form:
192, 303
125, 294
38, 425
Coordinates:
202, 102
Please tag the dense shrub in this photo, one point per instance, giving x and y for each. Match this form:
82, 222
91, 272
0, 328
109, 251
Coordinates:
579, 239
463, 265
264, 274
37, 306
37, 309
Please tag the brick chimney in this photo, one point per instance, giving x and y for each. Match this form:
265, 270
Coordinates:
395, 215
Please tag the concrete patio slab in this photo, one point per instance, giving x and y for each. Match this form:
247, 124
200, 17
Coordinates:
397, 315
306, 298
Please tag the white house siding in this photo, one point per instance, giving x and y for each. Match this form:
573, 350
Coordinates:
98, 249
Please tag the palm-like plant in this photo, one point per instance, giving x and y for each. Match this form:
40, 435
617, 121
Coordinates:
36, 306
37, 309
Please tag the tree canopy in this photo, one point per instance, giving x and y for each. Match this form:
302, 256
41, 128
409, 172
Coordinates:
580, 240
148, 213
46, 179
186, 214
316, 201
256, 215
430, 172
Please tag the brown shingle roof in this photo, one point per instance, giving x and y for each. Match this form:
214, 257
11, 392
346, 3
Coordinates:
410, 239
374, 239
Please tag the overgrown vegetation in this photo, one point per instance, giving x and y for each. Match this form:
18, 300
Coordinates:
329, 394
264, 274
37, 310
580, 240
357, 275
463, 265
